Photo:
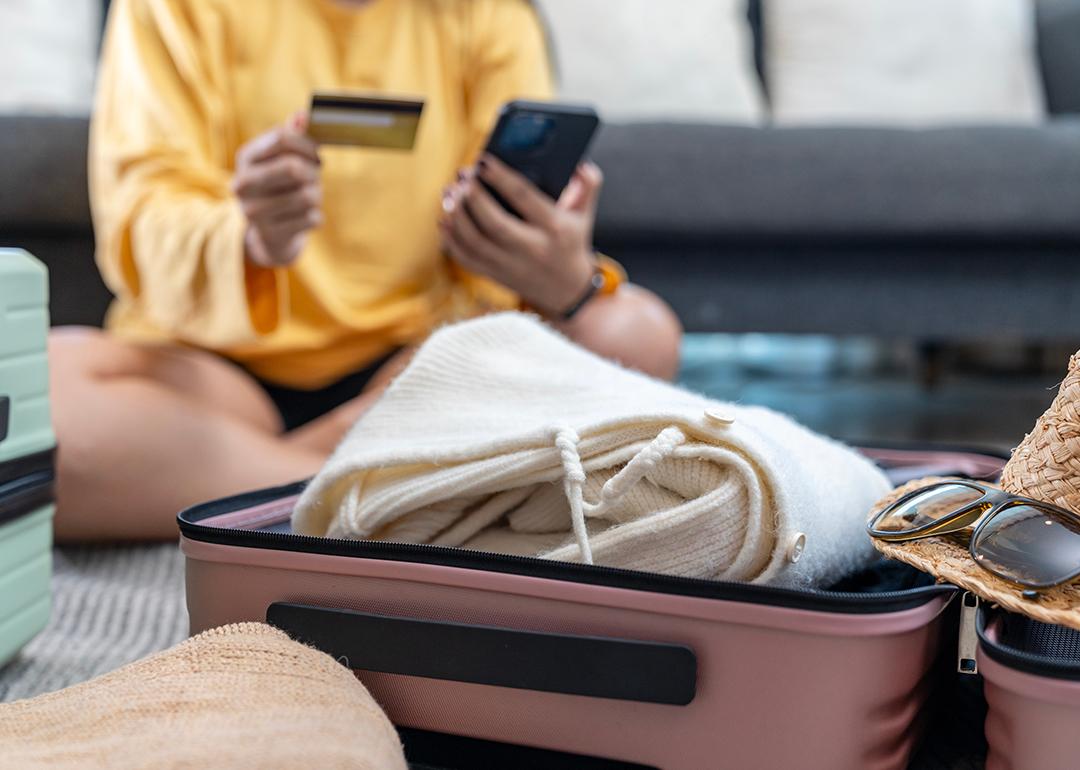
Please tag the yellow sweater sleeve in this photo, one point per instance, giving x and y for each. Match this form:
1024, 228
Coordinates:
507, 59
170, 233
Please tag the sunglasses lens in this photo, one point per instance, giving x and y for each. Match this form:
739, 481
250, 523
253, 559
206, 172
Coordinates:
928, 507
1030, 545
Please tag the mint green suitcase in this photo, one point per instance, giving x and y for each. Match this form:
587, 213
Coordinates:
26, 452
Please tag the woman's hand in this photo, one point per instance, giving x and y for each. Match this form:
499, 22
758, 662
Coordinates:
278, 184
546, 256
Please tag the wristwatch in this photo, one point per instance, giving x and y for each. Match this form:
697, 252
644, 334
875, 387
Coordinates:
608, 275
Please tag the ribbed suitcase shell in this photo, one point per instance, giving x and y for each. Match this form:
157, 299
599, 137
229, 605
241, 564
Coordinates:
1031, 675
779, 678
26, 444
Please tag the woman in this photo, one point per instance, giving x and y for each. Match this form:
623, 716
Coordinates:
267, 288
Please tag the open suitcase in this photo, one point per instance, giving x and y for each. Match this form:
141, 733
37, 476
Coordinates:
565, 665
1031, 674
26, 452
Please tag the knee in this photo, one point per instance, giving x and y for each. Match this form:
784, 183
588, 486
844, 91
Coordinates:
638, 329
656, 333
80, 355
73, 351
81, 358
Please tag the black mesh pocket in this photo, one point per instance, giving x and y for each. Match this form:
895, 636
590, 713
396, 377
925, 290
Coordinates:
1054, 643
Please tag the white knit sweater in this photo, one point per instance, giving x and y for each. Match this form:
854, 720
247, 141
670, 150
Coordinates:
503, 436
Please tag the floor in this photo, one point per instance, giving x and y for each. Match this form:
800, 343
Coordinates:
848, 394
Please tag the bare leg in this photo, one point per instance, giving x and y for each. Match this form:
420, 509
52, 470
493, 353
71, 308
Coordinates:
632, 326
188, 372
145, 431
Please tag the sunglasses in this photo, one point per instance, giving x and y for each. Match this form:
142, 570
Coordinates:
1026, 542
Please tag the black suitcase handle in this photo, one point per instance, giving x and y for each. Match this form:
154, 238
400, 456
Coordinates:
5, 416
622, 669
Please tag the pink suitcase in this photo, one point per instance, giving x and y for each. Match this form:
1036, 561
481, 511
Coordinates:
587, 667
1031, 674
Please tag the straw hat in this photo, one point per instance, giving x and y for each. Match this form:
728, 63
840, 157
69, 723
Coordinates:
1046, 466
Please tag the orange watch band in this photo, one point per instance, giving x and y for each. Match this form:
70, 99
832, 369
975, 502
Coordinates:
608, 276
613, 273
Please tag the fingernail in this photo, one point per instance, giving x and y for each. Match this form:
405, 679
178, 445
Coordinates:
461, 176
447, 204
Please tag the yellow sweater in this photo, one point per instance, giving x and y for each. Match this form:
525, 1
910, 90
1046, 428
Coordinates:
184, 83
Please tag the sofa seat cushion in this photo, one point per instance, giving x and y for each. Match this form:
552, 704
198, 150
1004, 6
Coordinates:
715, 182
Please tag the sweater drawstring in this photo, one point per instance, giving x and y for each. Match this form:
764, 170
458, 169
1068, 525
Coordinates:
566, 439
639, 466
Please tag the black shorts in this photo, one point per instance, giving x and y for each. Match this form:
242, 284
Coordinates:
298, 407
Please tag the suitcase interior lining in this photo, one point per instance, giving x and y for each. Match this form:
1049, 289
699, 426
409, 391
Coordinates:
883, 577
1056, 644
270, 513
1029, 646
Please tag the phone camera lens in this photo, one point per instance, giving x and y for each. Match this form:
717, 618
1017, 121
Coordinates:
526, 132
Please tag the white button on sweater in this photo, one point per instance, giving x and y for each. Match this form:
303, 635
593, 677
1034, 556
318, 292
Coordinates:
503, 436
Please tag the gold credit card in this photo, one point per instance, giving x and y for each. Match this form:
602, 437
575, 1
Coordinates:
364, 120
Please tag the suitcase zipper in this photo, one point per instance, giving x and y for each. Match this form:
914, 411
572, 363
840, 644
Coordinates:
968, 644
814, 600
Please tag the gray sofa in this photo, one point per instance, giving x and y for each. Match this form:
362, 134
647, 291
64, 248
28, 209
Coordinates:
957, 233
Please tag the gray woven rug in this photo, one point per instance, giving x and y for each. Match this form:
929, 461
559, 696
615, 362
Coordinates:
111, 605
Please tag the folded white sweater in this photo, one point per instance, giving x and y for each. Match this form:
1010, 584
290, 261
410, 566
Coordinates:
502, 435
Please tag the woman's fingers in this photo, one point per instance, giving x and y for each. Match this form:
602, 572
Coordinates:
497, 223
298, 122
282, 174
468, 237
288, 139
454, 248
525, 197
280, 232
583, 192
275, 208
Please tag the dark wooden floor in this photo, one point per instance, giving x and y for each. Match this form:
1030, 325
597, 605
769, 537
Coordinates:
866, 402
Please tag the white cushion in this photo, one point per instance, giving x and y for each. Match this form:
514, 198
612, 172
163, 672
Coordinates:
902, 61
657, 59
49, 50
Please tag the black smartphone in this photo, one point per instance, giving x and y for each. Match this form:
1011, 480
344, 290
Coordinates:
544, 141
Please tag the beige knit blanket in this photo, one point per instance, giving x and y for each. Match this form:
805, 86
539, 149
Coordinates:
502, 435
239, 697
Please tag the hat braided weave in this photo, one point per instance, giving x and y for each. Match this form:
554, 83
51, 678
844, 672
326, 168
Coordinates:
1046, 465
